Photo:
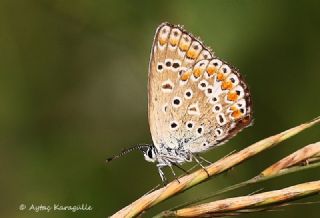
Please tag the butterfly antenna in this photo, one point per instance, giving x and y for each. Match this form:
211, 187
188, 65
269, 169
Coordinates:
126, 151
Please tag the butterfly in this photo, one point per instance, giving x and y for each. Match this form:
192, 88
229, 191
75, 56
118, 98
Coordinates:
196, 101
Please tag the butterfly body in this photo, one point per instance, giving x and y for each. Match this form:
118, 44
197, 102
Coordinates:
196, 101
166, 157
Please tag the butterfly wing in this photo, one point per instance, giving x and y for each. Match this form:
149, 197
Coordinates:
173, 52
186, 83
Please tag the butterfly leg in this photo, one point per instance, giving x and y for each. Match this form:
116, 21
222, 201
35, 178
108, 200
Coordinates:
202, 158
196, 159
174, 174
163, 178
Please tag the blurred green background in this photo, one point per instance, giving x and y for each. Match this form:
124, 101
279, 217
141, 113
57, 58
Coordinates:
73, 91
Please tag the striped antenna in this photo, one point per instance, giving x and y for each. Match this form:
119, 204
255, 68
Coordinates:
128, 150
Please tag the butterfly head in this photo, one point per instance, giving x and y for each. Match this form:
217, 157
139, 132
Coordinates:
149, 152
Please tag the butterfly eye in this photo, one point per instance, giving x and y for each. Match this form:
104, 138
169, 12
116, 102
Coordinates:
149, 153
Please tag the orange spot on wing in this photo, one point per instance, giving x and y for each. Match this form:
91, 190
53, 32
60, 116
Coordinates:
185, 76
232, 96
226, 85
191, 54
173, 42
233, 108
197, 72
245, 120
220, 76
236, 114
183, 47
211, 70
162, 41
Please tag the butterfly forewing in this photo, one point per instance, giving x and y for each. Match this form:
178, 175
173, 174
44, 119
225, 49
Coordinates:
196, 101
